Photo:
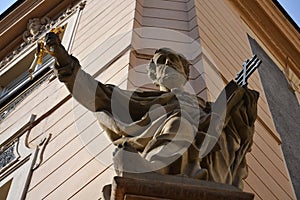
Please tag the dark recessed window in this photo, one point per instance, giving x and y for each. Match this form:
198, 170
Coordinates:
4, 189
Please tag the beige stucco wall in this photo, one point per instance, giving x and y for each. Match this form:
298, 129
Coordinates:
224, 37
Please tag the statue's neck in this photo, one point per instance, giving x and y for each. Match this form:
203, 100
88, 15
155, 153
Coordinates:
165, 89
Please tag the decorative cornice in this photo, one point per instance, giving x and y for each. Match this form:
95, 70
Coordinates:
35, 27
273, 29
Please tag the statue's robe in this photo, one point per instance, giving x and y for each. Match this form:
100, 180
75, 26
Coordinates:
175, 127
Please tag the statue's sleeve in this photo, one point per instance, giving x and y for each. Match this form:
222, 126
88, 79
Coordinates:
228, 163
92, 94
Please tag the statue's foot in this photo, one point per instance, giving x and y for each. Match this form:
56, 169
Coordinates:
201, 174
128, 160
194, 170
126, 147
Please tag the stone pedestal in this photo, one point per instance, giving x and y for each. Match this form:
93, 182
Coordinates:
153, 186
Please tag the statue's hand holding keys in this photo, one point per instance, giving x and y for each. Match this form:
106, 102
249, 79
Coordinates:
52, 43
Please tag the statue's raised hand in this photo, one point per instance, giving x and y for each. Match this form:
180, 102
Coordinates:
52, 43
64, 63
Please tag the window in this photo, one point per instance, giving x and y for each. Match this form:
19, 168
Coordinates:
17, 79
4, 189
15, 82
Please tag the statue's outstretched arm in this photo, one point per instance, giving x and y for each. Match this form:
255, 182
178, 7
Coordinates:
92, 94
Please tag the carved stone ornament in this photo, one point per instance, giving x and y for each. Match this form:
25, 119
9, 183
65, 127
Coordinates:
37, 27
8, 155
19, 158
18, 149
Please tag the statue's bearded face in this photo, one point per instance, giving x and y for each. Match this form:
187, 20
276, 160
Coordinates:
167, 69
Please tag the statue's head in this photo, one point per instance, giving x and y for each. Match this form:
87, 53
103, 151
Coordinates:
168, 69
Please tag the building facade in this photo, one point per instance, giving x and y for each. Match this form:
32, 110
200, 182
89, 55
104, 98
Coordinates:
53, 148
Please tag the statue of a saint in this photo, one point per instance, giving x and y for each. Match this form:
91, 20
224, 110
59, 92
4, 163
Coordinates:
166, 131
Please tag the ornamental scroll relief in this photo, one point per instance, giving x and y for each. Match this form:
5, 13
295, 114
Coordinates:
8, 155
19, 158
17, 150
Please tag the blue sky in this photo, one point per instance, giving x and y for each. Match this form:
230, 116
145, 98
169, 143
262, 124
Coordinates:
291, 6
4, 4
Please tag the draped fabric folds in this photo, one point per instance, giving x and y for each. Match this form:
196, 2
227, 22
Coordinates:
174, 132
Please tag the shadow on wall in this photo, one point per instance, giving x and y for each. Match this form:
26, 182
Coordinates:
285, 111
